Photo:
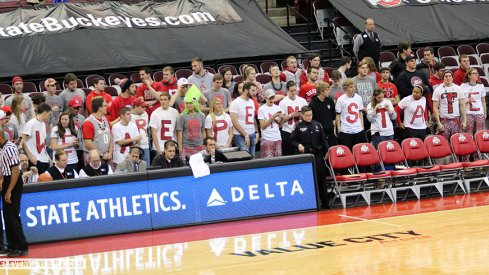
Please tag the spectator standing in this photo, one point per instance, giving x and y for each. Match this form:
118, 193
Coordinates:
367, 43
292, 72
276, 84
390, 89
64, 136
290, 107
163, 123
380, 113
53, 100
323, 111
71, 91
200, 77
349, 118
218, 125
270, 117
98, 91
96, 131
140, 118
149, 90
315, 61
125, 99
414, 110
399, 65
308, 88
34, 138
190, 129
476, 107
124, 134
169, 81
18, 86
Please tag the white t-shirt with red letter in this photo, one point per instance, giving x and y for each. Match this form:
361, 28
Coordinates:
288, 106
164, 121
245, 109
448, 100
350, 110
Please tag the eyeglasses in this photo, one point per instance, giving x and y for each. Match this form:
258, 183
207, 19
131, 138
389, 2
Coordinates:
474, 73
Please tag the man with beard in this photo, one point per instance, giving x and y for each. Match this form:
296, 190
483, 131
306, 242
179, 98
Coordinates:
242, 113
315, 61
169, 81
71, 91
201, 77
149, 90
125, 99
277, 85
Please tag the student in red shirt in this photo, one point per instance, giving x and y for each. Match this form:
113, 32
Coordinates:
149, 90
308, 90
125, 99
99, 87
390, 89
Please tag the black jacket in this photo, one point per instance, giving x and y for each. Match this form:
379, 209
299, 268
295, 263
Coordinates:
160, 161
311, 135
397, 67
324, 113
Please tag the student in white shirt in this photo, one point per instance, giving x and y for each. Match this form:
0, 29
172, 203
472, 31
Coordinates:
380, 113
413, 108
349, 118
476, 108
290, 107
269, 116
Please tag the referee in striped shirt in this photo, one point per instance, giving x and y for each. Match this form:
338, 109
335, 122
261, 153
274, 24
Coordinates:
12, 186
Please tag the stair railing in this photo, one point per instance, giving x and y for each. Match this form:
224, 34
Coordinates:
297, 13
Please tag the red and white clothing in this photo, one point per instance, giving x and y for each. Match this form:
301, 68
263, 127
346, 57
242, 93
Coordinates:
390, 89
117, 104
322, 76
288, 106
288, 75
435, 81
245, 110
145, 93
382, 119
98, 130
448, 98
66, 139
220, 128
350, 110
272, 131
164, 122
308, 91
122, 132
92, 95
474, 95
170, 87
415, 113
36, 133
142, 122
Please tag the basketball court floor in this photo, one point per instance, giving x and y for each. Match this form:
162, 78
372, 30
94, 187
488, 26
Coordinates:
447, 235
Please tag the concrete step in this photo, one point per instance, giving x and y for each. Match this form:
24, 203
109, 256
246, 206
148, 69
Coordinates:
282, 20
274, 12
271, 3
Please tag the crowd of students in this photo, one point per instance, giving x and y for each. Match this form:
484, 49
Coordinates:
162, 124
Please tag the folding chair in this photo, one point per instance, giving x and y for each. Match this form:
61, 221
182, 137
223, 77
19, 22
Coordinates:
468, 50
183, 73
29, 87
5, 89
210, 70
403, 177
415, 152
343, 31
263, 78
482, 48
241, 68
451, 173
386, 58
366, 156
350, 183
450, 62
447, 51
158, 76
323, 13
474, 171
89, 79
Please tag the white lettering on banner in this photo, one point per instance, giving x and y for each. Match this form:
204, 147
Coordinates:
101, 209
51, 24
269, 191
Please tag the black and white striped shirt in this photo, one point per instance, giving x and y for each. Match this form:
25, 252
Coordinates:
9, 157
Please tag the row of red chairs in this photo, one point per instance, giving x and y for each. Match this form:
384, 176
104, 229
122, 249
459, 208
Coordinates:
415, 166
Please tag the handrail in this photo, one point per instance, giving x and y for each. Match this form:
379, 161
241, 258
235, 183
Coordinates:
289, 7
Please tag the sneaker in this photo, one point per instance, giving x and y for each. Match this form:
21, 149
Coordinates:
4, 252
18, 253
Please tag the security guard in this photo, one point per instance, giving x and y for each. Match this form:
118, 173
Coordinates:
309, 137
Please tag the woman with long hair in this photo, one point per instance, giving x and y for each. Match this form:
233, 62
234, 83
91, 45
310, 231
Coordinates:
228, 82
415, 114
218, 124
380, 113
372, 69
64, 136
475, 107
18, 117
237, 90
249, 75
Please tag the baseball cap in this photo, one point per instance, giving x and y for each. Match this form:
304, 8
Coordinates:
409, 58
16, 79
182, 81
75, 102
7, 109
49, 81
384, 69
139, 102
269, 93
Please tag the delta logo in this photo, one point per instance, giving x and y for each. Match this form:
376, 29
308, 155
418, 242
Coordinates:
255, 192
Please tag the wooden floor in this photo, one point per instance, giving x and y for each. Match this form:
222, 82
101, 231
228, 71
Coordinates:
435, 236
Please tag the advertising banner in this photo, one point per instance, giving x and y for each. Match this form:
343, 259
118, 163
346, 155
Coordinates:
169, 202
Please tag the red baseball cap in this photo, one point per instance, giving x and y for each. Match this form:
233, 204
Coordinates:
7, 109
75, 102
139, 102
16, 79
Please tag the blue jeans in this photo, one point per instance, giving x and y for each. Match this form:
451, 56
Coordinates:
376, 139
239, 141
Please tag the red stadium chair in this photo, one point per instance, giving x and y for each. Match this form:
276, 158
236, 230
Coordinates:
90, 78
114, 76
183, 73
446, 51
5, 89
450, 62
233, 69
112, 91
263, 78
415, 152
366, 156
210, 70
87, 90
439, 150
135, 77
265, 66
158, 76
403, 177
351, 183
482, 143
474, 171
29, 87
482, 48
79, 84
386, 58
241, 67
42, 88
